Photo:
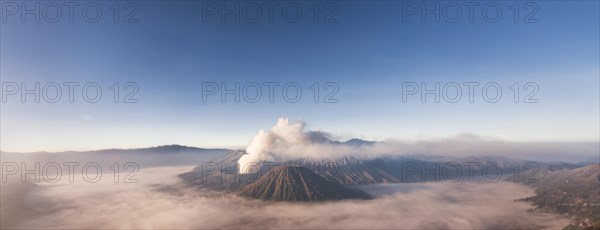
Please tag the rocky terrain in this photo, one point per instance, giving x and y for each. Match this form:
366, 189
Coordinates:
571, 192
223, 173
297, 183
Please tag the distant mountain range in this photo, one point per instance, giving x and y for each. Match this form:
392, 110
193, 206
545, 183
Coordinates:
163, 149
165, 155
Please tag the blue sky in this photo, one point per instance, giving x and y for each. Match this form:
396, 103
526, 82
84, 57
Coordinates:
368, 53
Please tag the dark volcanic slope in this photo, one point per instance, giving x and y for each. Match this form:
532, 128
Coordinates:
297, 183
573, 192
221, 173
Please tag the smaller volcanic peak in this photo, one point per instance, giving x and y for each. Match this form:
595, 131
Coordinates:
297, 183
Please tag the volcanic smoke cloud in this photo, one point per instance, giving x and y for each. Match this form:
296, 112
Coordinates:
290, 140
274, 145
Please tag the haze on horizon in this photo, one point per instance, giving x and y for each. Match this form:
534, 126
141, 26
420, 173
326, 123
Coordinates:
289, 140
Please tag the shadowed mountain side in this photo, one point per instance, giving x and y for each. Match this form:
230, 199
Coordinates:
297, 183
572, 192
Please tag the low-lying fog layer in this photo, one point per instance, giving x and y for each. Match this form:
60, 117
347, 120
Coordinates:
160, 200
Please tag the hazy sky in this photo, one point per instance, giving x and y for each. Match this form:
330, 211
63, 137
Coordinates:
368, 54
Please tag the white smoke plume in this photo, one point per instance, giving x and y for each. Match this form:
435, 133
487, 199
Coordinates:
290, 140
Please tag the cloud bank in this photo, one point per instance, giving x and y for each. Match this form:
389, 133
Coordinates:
161, 201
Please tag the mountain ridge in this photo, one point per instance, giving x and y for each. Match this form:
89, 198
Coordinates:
157, 148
